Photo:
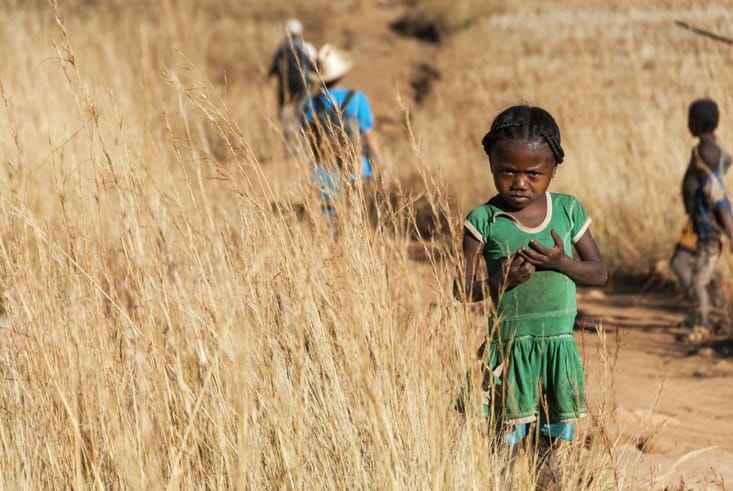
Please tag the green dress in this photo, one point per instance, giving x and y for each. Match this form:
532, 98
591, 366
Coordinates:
532, 356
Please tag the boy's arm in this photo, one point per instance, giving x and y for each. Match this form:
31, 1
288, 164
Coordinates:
589, 269
716, 199
690, 183
724, 214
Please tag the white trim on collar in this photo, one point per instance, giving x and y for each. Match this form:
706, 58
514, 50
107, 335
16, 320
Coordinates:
523, 227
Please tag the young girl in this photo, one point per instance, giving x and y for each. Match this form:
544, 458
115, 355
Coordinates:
525, 235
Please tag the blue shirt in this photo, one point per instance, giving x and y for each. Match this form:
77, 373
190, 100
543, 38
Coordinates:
709, 199
357, 110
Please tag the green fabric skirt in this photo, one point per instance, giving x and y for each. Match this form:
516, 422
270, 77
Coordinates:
533, 377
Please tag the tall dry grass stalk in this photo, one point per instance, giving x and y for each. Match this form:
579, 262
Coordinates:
171, 318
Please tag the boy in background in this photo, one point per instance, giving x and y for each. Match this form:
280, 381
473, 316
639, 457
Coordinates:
696, 256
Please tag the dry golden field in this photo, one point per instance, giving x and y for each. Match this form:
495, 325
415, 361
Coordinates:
175, 313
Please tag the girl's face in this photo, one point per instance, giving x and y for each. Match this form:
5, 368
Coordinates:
522, 171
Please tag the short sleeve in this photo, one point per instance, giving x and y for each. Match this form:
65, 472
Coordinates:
477, 223
580, 220
364, 115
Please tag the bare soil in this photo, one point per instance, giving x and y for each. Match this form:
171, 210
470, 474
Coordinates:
671, 399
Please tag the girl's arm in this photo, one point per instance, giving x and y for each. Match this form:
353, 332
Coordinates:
589, 269
512, 272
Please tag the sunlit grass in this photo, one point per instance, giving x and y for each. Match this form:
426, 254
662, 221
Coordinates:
176, 311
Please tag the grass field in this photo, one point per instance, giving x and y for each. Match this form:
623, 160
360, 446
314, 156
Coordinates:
166, 326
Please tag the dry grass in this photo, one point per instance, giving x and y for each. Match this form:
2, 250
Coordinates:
166, 326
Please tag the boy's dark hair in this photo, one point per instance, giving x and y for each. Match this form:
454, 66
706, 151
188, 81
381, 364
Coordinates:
703, 116
525, 123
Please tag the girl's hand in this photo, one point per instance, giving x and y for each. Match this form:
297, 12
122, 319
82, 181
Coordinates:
544, 258
516, 270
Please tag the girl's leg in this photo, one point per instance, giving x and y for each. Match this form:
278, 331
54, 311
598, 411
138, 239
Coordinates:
513, 434
563, 400
513, 437
551, 438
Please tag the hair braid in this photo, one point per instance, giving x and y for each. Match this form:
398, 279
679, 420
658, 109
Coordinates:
489, 138
528, 123
554, 144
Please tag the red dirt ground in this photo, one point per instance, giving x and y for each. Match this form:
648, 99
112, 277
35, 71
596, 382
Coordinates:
671, 396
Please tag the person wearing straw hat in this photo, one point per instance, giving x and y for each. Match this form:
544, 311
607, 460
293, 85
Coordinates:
355, 111
293, 64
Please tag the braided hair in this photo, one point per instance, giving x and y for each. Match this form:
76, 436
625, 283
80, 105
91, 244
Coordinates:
703, 116
524, 122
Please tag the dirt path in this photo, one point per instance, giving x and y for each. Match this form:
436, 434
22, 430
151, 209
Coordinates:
672, 401
386, 63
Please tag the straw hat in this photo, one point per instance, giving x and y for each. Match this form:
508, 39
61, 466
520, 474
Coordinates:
333, 63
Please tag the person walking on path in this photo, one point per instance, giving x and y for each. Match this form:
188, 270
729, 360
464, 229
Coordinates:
339, 125
533, 380
696, 255
293, 64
